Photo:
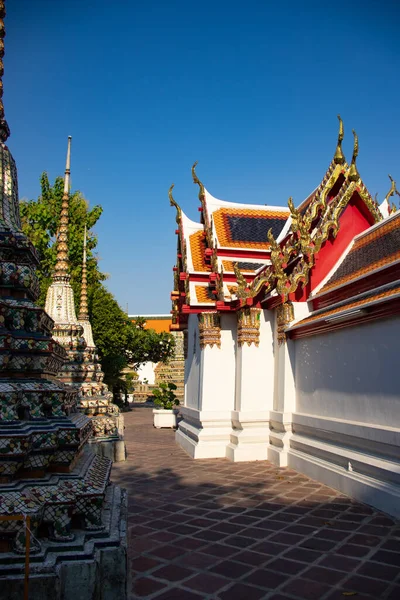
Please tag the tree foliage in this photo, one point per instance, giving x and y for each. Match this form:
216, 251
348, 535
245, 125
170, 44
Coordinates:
119, 341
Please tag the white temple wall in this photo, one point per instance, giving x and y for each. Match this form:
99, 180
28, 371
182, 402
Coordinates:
217, 371
351, 374
345, 428
192, 364
254, 364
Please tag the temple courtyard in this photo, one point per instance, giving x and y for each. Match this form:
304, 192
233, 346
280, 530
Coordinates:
213, 529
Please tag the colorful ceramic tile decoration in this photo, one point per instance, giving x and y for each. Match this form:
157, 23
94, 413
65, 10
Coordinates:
47, 470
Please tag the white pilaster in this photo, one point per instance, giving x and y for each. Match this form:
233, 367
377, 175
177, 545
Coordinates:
205, 429
254, 391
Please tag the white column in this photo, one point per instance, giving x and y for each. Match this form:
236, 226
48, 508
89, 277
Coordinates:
205, 429
284, 404
254, 386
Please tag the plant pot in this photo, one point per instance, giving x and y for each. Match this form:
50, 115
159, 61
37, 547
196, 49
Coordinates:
165, 418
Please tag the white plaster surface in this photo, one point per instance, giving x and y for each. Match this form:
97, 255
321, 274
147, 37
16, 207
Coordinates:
351, 374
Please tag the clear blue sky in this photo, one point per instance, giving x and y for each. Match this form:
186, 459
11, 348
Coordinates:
249, 89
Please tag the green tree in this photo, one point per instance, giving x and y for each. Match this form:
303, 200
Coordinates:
120, 343
40, 221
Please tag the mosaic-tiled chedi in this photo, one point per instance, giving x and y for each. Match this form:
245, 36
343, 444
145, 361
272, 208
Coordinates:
82, 371
47, 471
41, 430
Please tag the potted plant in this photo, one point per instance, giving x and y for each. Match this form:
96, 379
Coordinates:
165, 399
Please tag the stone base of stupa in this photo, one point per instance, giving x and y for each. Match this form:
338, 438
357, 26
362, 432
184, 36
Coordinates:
93, 565
112, 448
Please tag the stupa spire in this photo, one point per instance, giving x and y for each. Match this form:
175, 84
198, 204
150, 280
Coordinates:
83, 309
62, 263
4, 129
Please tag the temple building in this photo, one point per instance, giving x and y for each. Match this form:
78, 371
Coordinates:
83, 369
291, 321
56, 494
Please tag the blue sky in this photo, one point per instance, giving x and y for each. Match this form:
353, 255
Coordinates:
249, 89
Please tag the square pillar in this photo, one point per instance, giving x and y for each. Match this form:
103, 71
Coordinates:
285, 386
253, 386
204, 431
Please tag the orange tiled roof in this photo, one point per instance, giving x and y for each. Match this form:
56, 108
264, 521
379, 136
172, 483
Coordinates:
203, 294
387, 292
373, 250
197, 247
247, 227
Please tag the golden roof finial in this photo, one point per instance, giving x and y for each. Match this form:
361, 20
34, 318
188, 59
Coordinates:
353, 173
339, 157
173, 202
83, 309
393, 189
61, 269
4, 128
197, 180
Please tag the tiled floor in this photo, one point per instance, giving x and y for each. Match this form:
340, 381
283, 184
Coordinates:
216, 529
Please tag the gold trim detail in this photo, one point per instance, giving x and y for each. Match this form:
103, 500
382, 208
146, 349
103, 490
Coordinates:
248, 328
209, 329
173, 202
393, 190
339, 158
284, 315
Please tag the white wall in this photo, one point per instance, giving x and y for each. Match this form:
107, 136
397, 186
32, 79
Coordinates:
255, 365
217, 390
351, 374
192, 364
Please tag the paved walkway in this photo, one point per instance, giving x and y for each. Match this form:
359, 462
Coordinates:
212, 529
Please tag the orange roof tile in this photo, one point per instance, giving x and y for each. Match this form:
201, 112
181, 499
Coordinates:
203, 294
197, 247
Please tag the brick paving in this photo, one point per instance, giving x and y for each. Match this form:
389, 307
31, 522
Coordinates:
212, 529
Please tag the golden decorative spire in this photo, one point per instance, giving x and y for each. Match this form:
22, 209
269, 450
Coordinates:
339, 157
197, 180
61, 269
4, 129
83, 309
173, 202
353, 173
393, 189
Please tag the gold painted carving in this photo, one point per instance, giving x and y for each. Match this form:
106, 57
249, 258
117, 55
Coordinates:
173, 202
393, 190
209, 329
284, 315
241, 281
339, 157
248, 331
